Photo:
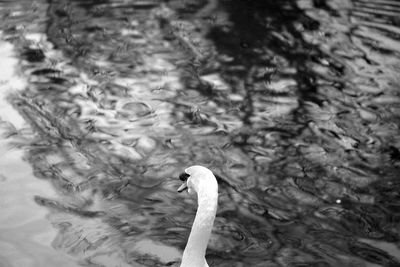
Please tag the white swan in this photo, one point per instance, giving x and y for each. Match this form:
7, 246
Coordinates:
200, 180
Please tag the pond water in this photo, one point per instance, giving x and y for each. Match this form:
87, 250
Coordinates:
295, 105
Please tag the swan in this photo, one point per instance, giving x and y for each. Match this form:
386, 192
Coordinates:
200, 180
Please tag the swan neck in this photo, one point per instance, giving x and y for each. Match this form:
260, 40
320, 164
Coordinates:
194, 254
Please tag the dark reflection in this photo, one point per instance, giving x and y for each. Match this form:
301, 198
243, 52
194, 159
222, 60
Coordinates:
293, 105
33, 55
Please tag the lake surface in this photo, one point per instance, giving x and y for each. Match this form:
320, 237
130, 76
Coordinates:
295, 105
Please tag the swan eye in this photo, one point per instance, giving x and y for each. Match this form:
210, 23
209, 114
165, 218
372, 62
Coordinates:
184, 176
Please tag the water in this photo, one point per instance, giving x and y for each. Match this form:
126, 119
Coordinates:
294, 104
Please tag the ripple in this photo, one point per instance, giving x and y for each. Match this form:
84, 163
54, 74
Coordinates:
293, 104
135, 109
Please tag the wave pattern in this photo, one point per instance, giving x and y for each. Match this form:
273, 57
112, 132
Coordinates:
293, 104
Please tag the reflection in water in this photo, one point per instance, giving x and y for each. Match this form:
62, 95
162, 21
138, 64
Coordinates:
25, 233
293, 104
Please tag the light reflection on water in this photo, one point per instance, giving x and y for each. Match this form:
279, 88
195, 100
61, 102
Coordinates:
25, 232
293, 105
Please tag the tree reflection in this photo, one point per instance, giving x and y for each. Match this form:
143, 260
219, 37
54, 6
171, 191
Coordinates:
128, 95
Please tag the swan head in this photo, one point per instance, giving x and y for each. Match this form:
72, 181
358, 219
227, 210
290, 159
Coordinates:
196, 178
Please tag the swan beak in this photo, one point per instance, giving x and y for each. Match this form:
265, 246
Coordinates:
183, 187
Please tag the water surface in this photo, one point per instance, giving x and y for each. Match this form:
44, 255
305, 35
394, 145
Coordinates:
294, 104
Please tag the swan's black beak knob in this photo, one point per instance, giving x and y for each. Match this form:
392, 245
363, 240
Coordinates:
183, 177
